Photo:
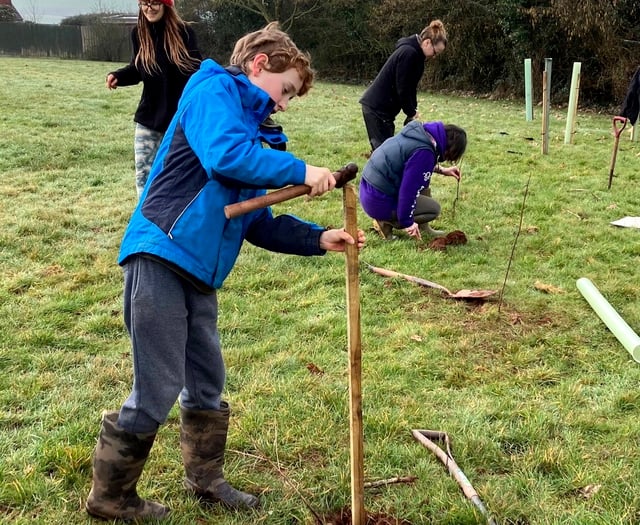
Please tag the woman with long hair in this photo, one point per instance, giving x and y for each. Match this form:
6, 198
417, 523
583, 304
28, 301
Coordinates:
165, 55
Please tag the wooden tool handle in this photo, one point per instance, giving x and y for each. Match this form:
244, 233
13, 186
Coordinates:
619, 124
342, 176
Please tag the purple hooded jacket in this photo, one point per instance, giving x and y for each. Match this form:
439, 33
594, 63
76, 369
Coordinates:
400, 169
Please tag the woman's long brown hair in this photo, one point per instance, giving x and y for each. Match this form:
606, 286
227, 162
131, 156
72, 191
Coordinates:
174, 44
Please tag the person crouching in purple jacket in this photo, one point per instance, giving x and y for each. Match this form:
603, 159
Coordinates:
394, 188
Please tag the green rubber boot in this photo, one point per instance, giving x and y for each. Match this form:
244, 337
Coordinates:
428, 230
118, 461
203, 439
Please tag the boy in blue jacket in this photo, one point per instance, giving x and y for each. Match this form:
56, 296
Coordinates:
177, 251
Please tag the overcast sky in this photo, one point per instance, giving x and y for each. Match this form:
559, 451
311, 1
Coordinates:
53, 11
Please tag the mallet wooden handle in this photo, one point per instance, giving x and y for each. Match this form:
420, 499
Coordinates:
342, 176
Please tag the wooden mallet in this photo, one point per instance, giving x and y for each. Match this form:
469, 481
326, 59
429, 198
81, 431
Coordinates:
342, 176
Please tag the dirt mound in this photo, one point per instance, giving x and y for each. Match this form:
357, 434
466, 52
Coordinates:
452, 238
456, 237
439, 244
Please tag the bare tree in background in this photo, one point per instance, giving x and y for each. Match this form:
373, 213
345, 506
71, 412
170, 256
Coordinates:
33, 11
99, 7
284, 11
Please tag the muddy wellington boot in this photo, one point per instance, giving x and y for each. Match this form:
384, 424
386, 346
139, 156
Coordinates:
203, 439
118, 461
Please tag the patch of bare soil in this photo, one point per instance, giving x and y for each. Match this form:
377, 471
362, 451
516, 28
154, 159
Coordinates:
343, 517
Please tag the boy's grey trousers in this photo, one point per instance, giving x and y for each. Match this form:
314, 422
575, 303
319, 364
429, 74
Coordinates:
175, 345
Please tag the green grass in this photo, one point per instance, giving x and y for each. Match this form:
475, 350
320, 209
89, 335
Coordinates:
539, 398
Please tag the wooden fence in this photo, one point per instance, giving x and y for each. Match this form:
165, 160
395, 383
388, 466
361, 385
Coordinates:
108, 42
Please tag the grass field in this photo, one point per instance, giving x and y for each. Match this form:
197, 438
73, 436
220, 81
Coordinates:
540, 400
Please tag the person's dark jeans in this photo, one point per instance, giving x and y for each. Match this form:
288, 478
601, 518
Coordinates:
379, 127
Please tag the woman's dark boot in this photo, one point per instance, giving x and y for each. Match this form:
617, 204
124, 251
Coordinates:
118, 461
384, 229
203, 439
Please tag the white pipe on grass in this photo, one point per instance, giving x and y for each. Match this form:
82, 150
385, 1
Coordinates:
610, 317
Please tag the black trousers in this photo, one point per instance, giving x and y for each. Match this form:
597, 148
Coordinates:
379, 127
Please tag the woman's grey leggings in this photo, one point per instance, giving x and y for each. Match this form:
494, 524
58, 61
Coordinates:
427, 209
145, 144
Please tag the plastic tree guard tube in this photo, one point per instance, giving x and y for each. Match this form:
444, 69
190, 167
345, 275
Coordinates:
610, 317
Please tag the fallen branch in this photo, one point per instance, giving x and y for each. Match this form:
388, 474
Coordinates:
427, 438
390, 481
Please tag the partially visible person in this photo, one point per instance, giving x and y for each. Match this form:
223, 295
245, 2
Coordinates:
395, 183
395, 88
178, 250
165, 55
631, 104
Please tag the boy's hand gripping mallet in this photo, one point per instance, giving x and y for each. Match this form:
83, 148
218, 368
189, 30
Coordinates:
342, 176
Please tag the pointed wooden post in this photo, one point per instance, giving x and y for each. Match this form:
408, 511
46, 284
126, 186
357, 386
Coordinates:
355, 358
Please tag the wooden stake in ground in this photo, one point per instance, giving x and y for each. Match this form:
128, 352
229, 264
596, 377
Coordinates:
355, 358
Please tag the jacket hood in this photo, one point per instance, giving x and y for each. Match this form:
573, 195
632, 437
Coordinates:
408, 41
436, 130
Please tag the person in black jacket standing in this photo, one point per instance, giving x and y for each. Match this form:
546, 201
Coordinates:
395, 87
631, 105
165, 55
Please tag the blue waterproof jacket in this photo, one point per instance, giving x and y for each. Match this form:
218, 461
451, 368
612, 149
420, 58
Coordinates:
211, 156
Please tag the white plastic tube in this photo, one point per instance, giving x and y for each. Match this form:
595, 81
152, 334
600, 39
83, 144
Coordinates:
610, 317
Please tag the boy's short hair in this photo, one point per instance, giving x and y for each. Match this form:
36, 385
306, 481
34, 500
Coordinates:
282, 52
